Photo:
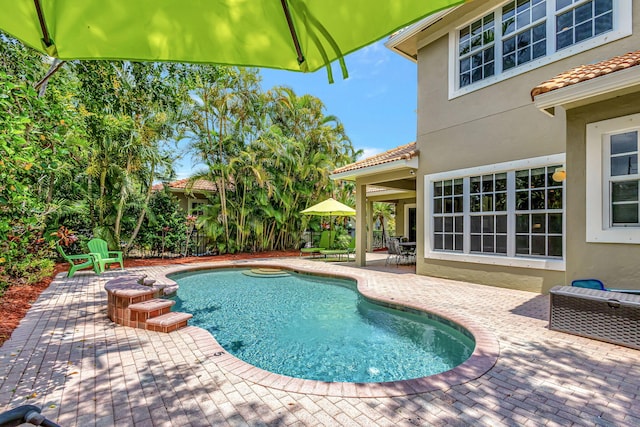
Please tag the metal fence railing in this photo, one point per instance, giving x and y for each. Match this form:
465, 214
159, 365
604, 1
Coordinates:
198, 245
380, 239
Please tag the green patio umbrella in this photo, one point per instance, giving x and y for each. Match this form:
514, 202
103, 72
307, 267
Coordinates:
330, 207
298, 35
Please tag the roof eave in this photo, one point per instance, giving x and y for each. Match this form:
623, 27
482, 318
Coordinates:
391, 194
351, 175
412, 31
599, 88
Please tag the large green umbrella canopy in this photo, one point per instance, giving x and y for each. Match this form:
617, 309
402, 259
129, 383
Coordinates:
330, 207
298, 35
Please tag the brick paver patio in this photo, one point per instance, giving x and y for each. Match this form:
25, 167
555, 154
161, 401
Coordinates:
83, 370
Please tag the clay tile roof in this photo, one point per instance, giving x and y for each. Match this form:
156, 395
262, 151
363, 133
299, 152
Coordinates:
404, 152
183, 184
588, 72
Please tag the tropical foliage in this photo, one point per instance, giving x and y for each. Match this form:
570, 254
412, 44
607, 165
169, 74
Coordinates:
269, 154
85, 153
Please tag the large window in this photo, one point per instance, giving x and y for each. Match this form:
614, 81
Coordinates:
613, 190
477, 50
505, 210
622, 150
448, 219
538, 212
487, 212
526, 31
197, 206
580, 20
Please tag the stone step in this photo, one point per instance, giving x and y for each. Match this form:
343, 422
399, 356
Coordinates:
140, 312
168, 322
151, 305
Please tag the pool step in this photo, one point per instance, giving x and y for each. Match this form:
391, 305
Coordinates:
138, 306
168, 322
140, 312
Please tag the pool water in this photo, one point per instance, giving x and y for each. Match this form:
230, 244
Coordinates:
318, 328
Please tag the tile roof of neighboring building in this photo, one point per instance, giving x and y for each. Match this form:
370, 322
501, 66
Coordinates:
588, 72
183, 184
404, 152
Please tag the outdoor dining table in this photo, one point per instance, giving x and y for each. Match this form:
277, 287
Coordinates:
409, 247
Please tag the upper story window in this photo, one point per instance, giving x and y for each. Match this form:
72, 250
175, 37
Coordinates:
524, 34
477, 50
580, 20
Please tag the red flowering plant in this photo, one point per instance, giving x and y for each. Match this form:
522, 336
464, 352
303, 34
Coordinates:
65, 236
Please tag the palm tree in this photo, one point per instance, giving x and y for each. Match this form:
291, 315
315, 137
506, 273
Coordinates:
129, 110
384, 213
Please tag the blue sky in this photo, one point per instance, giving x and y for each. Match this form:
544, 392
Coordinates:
376, 104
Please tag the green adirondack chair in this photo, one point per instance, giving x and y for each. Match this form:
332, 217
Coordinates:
104, 257
86, 261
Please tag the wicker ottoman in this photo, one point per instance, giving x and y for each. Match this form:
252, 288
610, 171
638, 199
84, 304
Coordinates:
606, 316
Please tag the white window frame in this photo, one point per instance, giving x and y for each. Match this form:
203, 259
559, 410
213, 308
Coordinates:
598, 198
501, 260
406, 217
196, 202
622, 27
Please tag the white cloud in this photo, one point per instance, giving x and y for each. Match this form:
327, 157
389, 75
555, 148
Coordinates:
368, 62
369, 151
374, 53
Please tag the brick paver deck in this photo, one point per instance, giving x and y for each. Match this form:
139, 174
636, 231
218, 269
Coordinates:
83, 370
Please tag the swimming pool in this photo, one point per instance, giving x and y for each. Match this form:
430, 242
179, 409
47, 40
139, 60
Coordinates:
318, 328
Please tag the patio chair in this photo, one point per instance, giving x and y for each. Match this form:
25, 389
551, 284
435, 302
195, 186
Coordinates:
104, 257
326, 240
393, 250
597, 284
86, 261
350, 249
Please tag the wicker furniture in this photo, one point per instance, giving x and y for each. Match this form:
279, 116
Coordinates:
606, 316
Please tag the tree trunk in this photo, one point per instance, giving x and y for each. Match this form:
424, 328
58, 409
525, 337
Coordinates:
103, 190
123, 199
143, 212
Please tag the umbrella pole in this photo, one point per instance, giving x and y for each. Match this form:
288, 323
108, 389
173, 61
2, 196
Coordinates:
294, 36
46, 39
331, 233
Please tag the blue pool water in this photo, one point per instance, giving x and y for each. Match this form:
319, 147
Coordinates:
317, 328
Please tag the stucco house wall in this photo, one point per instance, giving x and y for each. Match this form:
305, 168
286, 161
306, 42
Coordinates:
614, 263
494, 124
191, 196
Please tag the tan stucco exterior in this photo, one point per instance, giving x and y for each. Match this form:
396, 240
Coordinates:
615, 264
401, 190
184, 199
495, 124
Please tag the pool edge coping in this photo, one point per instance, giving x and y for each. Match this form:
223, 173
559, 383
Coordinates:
483, 358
